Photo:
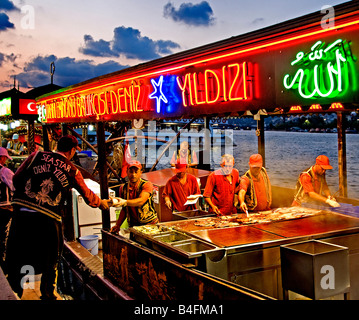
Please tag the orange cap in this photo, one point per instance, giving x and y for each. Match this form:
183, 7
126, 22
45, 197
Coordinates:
255, 160
323, 161
136, 164
180, 167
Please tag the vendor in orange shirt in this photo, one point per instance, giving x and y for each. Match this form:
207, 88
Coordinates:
179, 187
221, 188
185, 155
255, 192
312, 186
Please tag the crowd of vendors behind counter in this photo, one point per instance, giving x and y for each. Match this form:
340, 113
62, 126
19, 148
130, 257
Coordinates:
225, 192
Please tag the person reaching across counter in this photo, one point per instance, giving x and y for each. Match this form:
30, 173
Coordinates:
43, 186
312, 185
179, 187
185, 155
255, 192
136, 200
221, 188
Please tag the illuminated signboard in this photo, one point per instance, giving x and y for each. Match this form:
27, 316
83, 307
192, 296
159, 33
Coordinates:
323, 72
251, 74
5, 107
164, 94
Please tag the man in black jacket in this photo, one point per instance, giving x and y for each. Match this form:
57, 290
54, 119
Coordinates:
42, 186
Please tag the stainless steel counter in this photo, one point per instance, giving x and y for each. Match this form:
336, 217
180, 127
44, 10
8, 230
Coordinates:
251, 253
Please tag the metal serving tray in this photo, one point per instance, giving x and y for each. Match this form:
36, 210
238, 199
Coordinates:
194, 246
172, 241
171, 237
191, 214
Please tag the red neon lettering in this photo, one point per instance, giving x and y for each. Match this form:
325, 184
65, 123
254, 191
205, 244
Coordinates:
186, 85
114, 102
224, 83
136, 89
121, 95
215, 77
196, 90
210, 85
89, 105
127, 98
241, 81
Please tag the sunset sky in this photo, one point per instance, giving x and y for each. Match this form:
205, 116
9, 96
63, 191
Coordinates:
86, 39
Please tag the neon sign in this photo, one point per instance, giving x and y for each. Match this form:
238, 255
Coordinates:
125, 99
5, 107
231, 82
336, 106
295, 109
158, 94
226, 83
315, 107
323, 72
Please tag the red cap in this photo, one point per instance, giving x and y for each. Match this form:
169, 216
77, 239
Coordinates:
180, 167
323, 161
136, 164
255, 160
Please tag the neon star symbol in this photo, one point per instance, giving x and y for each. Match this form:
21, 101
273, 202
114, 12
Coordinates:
158, 94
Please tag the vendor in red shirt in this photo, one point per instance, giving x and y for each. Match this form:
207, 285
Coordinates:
312, 186
255, 190
221, 188
179, 187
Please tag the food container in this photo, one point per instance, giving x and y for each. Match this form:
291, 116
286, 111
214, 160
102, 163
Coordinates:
194, 246
315, 269
171, 237
169, 242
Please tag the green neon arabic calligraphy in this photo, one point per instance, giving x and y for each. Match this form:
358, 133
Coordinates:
317, 76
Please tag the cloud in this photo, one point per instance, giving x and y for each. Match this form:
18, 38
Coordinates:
2, 58
200, 14
258, 21
129, 43
7, 5
68, 71
99, 48
5, 23
8, 58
